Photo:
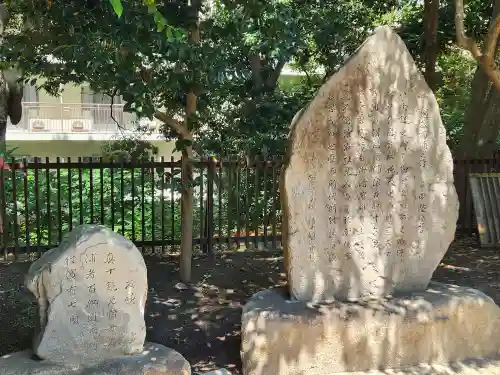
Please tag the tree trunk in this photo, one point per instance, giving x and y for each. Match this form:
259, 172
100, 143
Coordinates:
482, 118
186, 215
488, 134
431, 16
481, 124
186, 167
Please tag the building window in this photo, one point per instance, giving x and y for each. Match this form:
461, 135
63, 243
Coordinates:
90, 97
30, 93
99, 106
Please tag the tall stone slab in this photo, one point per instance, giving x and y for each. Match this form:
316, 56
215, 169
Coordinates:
91, 292
369, 203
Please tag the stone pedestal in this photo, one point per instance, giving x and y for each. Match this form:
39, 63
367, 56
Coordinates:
155, 359
424, 333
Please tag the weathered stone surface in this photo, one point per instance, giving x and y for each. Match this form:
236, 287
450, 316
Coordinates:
91, 293
220, 371
154, 359
444, 324
369, 202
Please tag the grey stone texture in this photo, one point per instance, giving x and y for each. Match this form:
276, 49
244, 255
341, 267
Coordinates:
91, 292
153, 360
368, 197
427, 332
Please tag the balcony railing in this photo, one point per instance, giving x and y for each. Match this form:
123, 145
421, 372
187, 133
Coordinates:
74, 118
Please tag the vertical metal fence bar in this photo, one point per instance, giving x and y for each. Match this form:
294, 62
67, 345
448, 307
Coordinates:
172, 207
59, 203
143, 215
201, 216
209, 212
229, 170
247, 202
162, 216
238, 208
274, 206
37, 207
122, 196
132, 183
256, 212
70, 198
112, 196
49, 201
101, 187
265, 216
91, 190
219, 204
460, 180
27, 210
80, 190
14, 208
469, 212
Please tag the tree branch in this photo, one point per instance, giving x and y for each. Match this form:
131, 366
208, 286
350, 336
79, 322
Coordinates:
489, 63
256, 67
178, 126
462, 39
486, 60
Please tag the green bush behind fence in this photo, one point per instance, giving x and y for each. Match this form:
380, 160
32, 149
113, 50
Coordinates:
232, 201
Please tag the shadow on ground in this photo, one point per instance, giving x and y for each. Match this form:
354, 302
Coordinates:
202, 320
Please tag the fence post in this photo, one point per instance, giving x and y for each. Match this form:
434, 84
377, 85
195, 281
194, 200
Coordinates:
209, 211
3, 214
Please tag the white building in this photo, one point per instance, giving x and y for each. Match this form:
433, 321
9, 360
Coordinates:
79, 122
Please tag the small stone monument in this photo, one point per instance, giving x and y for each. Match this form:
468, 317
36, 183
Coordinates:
370, 209
91, 291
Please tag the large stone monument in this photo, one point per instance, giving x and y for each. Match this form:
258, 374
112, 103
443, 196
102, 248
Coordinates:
369, 211
91, 292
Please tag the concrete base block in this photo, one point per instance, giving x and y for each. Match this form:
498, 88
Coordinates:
478, 366
155, 359
443, 325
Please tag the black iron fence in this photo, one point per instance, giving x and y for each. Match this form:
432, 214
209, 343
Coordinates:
236, 203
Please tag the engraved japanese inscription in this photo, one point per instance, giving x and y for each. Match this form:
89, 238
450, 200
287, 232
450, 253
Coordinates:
369, 196
100, 311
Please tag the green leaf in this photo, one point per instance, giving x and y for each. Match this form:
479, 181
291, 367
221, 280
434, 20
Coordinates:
169, 34
117, 7
160, 22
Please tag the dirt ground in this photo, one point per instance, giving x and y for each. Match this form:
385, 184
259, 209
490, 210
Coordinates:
202, 320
